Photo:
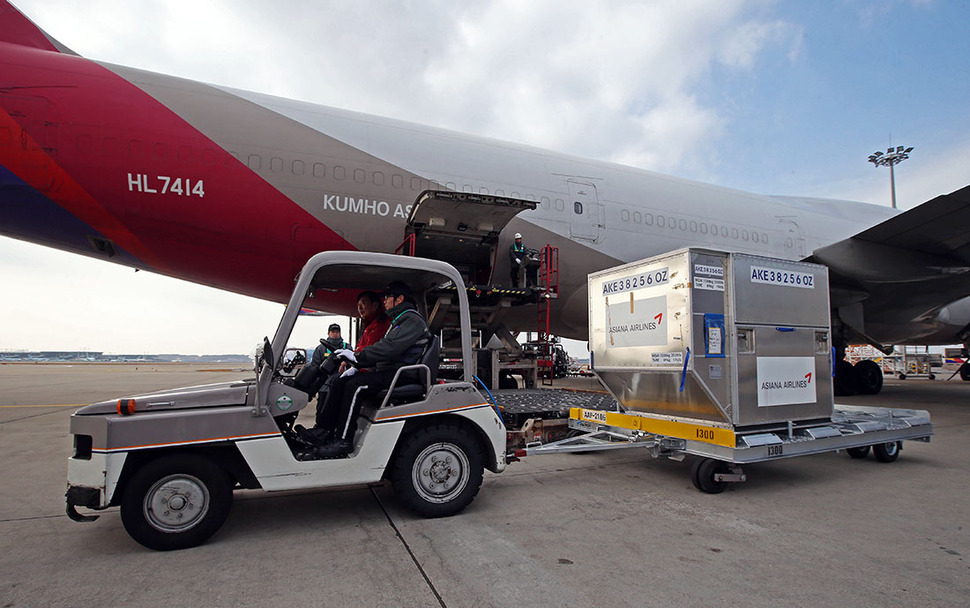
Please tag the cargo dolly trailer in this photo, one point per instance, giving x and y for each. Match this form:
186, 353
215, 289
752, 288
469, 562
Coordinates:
727, 357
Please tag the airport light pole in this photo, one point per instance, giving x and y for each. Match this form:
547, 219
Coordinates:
891, 158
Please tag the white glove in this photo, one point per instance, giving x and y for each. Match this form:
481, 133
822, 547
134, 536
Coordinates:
350, 372
518, 261
346, 353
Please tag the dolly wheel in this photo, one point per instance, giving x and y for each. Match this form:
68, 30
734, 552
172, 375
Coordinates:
438, 470
887, 452
703, 472
859, 452
176, 502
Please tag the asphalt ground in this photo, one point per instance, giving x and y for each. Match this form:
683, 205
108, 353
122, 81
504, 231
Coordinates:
605, 529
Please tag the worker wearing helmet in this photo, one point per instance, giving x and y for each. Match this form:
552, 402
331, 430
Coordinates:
516, 257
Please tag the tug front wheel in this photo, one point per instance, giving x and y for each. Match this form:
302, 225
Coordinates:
438, 470
176, 502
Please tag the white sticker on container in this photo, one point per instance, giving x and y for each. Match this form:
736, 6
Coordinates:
667, 358
631, 322
782, 278
786, 380
708, 284
714, 271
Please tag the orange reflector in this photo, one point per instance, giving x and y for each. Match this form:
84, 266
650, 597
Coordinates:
126, 407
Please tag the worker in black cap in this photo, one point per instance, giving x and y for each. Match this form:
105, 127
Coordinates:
403, 344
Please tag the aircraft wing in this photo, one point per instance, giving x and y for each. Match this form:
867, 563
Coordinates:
903, 271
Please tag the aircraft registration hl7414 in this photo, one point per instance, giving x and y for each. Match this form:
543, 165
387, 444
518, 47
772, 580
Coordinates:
237, 190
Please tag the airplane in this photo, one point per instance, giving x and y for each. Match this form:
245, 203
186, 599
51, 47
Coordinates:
237, 189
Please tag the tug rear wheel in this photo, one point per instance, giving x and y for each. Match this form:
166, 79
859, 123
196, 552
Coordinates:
176, 502
887, 452
703, 473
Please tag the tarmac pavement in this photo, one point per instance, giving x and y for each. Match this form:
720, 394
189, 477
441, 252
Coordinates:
615, 528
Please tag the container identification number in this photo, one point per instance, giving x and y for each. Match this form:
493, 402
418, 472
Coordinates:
775, 450
705, 434
638, 281
784, 278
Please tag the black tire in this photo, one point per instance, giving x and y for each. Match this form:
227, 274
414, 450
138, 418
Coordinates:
438, 470
868, 377
844, 381
965, 372
887, 452
702, 475
860, 452
507, 381
902, 376
200, 488
932, 376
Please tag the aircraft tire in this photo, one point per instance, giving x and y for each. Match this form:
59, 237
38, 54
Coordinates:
887, 452
844, 381
965, 372
868, 377
438, 470
176, 502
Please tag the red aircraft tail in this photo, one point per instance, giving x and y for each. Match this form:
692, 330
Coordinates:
16, 28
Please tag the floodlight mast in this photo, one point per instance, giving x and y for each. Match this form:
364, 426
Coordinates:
891, 158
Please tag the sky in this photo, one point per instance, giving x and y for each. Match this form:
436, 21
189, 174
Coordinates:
769, 97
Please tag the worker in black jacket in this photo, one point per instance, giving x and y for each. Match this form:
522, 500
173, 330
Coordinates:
403, 344
516, 257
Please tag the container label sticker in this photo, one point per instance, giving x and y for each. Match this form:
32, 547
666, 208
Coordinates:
786, 380
660, 276
631, 322
784, 278
708, 284
667, 358
714, 271
715, 372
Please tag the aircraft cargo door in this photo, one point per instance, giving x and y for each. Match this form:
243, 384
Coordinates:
585, 211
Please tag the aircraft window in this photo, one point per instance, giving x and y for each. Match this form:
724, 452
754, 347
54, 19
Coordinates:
560, 206
546, 203
359, 176
648, 219
724, 231
234, 154
84, 143
378, 178
108, 146
5, 138
433, 185
682, 224
734, 233
276, 164
208, 156
319, 170
577, 208
637, 217
297, 167
160, 151
693, 226
415, 183
397, 181
703, 228
744, 234
500, 193
672, 222
451, 186
516, 195
255, 162
661, 221
483, 190
625, 215
134, 148
339, 172
185, 154
467, 188
764, 237
754, 237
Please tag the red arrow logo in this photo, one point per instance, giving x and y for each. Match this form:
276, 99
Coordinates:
658, 317
809, 376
